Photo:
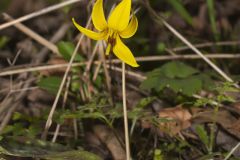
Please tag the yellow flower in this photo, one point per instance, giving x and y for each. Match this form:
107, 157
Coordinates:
118, 25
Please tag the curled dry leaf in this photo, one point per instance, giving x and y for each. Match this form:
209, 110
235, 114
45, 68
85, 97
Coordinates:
237, 106
227, 142
178, 118
106, 135
224, 118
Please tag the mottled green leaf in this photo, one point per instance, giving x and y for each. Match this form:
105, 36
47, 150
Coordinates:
66, 49
3, 41
51, 84
73, 155
178, 77
177, 70
22, 147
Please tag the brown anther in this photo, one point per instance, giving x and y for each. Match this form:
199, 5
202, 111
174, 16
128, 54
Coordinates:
112, 41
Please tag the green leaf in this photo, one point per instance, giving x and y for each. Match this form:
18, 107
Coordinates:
73, 155
66, 49
161, 47
177, 70
4, 5
207, 82
145, 101
187, 86
178, 77
178, 6
3, 41
23, 147
51, 84
15, 129
212, 17
137, 111
26, 147
158, 154
202, 134
150, 83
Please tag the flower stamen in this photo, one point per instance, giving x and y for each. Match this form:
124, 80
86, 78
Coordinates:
111, 41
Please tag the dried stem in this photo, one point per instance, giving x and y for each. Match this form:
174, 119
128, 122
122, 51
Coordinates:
50, 116
139, 59
232, 151
63, 106
161, 21
38, 13
198, 52
127, 144
33, 34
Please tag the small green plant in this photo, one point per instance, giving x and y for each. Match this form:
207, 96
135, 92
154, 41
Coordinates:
216, 102
178, 77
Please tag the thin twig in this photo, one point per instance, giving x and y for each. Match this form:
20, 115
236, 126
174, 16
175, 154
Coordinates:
8, 116
232, 151
127, 144
90, 61
24, 89
161, 21
207, 44
12, 63
96, 71
184, 40
106, 72
50, 116
139, 59
58, 35
38, 13
63, 106
128, 72
33, 35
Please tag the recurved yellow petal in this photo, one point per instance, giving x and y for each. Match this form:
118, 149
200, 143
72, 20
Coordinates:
124, 53
98, 16
119, 17
89, 33
131, 28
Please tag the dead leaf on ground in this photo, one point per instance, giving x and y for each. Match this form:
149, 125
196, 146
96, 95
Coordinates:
224, 118
106, 135
227, 142
179, 119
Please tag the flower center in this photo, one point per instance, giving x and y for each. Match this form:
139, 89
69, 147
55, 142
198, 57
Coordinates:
111, 40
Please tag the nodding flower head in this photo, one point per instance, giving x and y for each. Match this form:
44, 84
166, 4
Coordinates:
119, 25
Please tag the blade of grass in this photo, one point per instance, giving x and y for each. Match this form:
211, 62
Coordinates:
50, 116
178, 6
212, 18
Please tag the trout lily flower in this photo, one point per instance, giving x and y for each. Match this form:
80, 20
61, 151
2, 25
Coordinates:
119, 25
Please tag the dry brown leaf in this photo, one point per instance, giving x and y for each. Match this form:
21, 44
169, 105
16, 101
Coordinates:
179, 119
224, 118
106, 135
145, 123
237, 106
234, 128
